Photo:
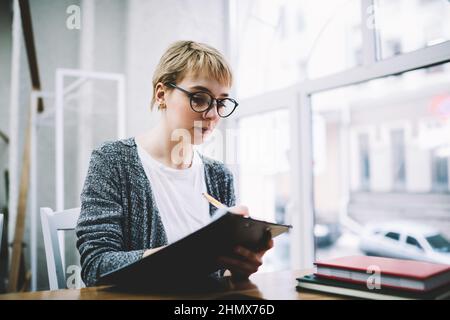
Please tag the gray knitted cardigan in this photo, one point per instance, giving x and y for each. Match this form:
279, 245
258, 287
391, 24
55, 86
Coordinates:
119, 218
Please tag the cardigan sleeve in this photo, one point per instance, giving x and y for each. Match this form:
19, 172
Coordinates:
230, 196
100, 225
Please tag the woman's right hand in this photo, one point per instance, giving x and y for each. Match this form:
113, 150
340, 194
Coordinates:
151, 251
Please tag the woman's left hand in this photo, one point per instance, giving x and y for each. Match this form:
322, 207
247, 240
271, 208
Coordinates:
245, 263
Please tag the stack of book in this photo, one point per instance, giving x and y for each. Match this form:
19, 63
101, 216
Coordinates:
379, 278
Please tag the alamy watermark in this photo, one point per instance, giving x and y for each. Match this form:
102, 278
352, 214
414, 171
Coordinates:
73, 21
251, 147
73, 280
374, 280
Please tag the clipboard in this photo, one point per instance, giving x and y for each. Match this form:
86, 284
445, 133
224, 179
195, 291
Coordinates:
194, 256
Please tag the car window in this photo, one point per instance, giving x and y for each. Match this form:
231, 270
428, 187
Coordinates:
439, 243
413, 242
393, 235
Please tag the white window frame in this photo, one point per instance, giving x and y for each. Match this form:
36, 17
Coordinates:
301, 209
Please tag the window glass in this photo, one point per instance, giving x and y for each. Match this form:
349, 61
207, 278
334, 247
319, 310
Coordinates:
393, 236
439, 243
408, 25
281, 42
385, 147
264, 175
413, 241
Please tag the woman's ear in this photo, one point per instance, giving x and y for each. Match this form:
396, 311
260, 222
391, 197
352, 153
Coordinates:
159, 92
160, 95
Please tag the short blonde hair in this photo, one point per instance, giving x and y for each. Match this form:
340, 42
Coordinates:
184, 57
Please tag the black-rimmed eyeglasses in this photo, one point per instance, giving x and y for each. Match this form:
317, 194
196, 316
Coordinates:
202, 101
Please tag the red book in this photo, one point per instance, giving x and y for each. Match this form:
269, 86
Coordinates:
394, 273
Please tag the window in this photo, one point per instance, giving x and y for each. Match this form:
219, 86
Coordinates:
281, 42
393, 235
377, 98
264, 175
439, 169
413, 242
439, 243
380, 138
398, 159
408, 25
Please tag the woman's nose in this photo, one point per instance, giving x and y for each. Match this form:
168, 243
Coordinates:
212, 112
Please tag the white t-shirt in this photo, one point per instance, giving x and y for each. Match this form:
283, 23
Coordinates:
178, 195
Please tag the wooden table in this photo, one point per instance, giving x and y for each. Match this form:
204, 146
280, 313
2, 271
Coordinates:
272, 285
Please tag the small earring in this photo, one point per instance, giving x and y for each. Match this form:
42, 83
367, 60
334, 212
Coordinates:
162, 105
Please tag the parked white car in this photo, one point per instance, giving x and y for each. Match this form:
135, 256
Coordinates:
405, 240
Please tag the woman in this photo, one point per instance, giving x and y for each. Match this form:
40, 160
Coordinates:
143, 193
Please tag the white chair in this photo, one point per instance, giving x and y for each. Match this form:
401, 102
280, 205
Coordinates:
52, 222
